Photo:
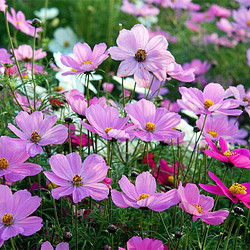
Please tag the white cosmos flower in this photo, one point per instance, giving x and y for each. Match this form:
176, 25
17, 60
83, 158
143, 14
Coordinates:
64, 40
45, 14
73, 81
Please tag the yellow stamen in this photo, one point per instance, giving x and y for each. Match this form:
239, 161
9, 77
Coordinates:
150, 127
77, 180
208, 103
74, 70
140, 55
3, 163
35, 137
59, 88
237, 188
19, 22
7, 219
199, 209
25, 77
248, 23
87, 62
107, 130
143, 196
171, 179
51, 185
66, 44
228, 152
213, 133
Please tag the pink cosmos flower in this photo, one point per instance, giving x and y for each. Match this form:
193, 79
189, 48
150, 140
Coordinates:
200, 17
76, 178
108, 87
176, 4
137, 243
85, 60
171, 106
242, 18
24, 53
240, 95
106, 123
14, 211
37, 131
139, 55
244, 3
217, 126
19, 21
61, 246
153, 123
38, 69
3, 6
176, 141
199, 205
4, 57
141, 195
211, 100
235, 193
248, 57
238, 157
199, 66
194, 6
12, 160
193, 26
226, 26
159, 31
219, 11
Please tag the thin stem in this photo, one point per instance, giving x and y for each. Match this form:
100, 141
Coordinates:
146, 97
69, 139
229, 233
147, 155
187, 234
12, 243
55, 212
76, 225
123, 94
165, 227
32, 67
80, 146
246, 228
119, 151
158, 91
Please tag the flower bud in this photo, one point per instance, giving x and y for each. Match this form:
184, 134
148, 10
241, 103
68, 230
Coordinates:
1, 87
68, 119
67, 236
238, 210
112, 228
134, 174
196, 129
36, 23
178, 234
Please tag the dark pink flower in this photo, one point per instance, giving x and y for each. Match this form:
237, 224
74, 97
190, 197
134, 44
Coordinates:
37, 131
61, 246
235, 193
24, 53
108, 87
238, 157
219, 11
141, 195
199, 205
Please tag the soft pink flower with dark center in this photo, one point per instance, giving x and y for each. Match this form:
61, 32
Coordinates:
217, 126
24, 53
4, 57
236, 192
240, 95
139, 55
137, 243
211, 100
12, 160
141, 195
140, 9
199, 205
153, 123
171, 106
193, 26
37, 131
85, 60
14, 213
239, 157
19, 21
219, 11
61, 246
3, 6
108, 87
78, 179
107, 123
242, 18
176, 71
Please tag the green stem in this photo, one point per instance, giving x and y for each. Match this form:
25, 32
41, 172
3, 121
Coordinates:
69, 139
55, 212
147, 155
165, 227
229, 233
123, 94
32, 67
80, 143
187, 234
246, 228
146, 97
76, 225
12, 243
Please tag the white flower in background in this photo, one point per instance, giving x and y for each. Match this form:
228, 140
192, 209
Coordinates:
73, 81
129, 84
45, 14
148, 21
64, 40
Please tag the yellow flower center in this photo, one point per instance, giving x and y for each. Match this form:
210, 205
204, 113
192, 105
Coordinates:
66, 44
150, 127
51, 185
199, 209
73, 70
35, 137
7, 219
171, 179
248, 23
237, 188
140, 55
227, 153
77, 180
19, 22
107, 130
213, 133
87, 62
59, 88
25, 77
245, 99
143, 196
3, 163
208, 103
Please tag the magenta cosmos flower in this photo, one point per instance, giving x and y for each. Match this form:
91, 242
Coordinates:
14, 211
153, 123
38, 131
61, 246
4, 57
239, 157
199, 205
24, 53
76, 178
211, 100
141, 195
139, 55
85, 60
107, 123
242, 18
12, 160
235, 193
137, 243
